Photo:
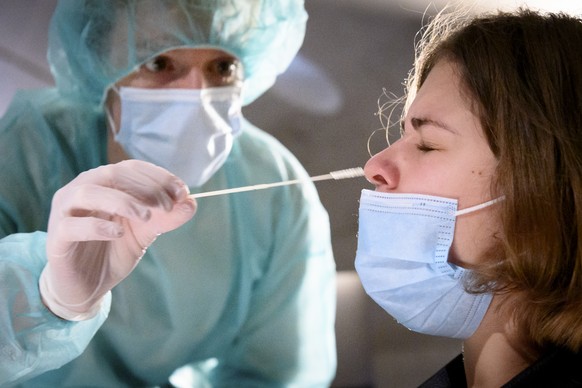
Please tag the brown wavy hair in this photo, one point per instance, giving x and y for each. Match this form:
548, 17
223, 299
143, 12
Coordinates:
523, 72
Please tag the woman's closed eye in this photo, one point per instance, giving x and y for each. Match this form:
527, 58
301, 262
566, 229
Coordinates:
424, 146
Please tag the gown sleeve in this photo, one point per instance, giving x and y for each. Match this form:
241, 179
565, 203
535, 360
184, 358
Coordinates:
32, 339
34, 164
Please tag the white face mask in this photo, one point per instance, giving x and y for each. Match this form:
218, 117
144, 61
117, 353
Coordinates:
188, 132
403, 248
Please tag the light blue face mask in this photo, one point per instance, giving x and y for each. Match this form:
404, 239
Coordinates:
189, 132
403, 246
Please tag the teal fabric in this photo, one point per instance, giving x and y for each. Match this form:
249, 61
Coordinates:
94, 43
244, 293
33, 339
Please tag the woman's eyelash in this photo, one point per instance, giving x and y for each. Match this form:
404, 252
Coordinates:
425, 147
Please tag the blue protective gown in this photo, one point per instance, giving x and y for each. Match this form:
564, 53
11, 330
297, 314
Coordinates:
244, 292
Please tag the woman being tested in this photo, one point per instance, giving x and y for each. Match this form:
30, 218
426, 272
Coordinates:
243, 292
473, 231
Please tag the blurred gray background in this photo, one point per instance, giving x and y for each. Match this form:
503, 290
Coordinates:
323, 109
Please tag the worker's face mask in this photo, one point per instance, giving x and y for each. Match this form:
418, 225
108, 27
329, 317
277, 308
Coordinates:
403, 246
188, 132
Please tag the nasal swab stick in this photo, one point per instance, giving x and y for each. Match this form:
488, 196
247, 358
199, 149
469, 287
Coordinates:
336, 175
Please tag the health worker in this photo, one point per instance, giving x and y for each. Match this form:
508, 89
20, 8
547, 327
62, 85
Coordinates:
109, 278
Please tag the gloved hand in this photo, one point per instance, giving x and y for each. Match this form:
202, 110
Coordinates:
99, 228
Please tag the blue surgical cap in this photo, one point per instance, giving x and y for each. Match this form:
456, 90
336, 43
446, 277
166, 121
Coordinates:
95, 43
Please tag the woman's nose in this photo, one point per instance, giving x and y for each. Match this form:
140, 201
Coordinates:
381, 171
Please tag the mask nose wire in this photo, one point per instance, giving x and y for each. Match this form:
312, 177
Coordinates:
479, 207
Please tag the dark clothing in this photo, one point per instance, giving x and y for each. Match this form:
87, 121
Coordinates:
558, 368
451, 375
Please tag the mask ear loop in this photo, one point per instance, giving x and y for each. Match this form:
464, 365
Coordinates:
479, 207
109, 116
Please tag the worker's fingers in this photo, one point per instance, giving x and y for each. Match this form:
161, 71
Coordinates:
71, 229
91, 200
151, 184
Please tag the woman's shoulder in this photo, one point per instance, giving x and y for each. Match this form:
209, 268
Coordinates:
556, 368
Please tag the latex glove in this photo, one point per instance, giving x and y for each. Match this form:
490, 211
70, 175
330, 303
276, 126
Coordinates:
99, 228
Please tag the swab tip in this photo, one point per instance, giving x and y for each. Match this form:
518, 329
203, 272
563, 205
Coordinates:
347, 173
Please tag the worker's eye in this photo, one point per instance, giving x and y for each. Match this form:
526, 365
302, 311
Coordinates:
158, 64
226, 68
225, 71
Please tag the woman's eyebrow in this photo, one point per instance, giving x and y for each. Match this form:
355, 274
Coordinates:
418, 123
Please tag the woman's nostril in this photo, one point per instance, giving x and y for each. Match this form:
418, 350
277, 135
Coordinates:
378, 179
